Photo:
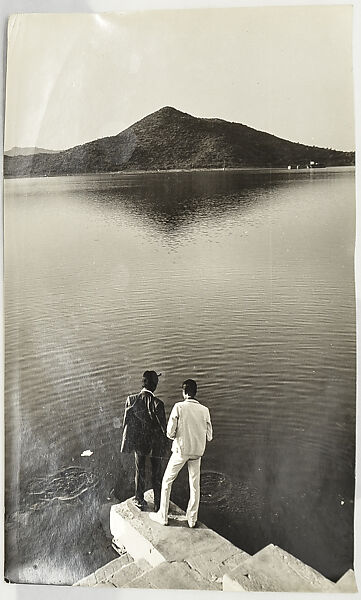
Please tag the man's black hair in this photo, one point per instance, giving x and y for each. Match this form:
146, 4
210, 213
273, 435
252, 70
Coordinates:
190, 387
150, 380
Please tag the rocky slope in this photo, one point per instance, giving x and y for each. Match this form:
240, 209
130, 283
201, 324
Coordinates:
170, 139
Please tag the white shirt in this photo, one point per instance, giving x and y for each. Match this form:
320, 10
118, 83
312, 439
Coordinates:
189, 427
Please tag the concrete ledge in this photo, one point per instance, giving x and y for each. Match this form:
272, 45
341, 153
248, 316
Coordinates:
347, 583
175, 575
101, 575
178, 557
128, 573
127, 527
204, 551
274, 570
216, 561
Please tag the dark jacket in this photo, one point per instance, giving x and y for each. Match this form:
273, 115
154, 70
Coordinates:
144, 425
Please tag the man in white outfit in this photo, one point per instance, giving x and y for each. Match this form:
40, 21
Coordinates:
189, 427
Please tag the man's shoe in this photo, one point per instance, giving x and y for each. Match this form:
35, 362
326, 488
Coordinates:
192, 525
157, 518
141, 504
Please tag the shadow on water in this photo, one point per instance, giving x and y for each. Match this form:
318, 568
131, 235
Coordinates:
170, 203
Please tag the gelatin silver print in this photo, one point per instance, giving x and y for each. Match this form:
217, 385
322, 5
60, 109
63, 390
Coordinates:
180, 330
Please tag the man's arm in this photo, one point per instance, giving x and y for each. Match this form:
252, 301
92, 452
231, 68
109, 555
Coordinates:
160, 414
209, 428
172, 423
127, 404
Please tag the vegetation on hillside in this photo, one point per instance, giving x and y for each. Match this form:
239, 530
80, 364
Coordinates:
170, 139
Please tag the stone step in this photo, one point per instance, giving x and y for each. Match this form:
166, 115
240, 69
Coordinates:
105, 572
204, 550
347, 583
175, 575
214, 562
127, 573
275, 570
234, 561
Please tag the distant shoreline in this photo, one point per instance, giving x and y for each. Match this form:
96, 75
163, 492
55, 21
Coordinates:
196, 170
169, 137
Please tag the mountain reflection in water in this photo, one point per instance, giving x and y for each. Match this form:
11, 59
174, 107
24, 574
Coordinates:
241, 280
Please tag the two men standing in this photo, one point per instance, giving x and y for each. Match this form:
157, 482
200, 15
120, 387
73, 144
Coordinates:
189, 427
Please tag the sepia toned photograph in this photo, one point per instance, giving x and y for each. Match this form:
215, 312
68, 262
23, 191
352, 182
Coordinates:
179, 299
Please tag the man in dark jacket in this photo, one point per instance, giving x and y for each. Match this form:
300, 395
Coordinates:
144, 432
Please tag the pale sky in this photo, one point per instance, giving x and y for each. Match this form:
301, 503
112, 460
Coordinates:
284, 70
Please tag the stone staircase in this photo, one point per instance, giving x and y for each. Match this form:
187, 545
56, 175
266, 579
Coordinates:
124, 572
177, 557
274, 570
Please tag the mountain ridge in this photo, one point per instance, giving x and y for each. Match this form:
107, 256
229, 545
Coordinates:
17, 151
172, 139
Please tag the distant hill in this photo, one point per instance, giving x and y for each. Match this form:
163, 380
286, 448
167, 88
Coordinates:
28, 151
170, 139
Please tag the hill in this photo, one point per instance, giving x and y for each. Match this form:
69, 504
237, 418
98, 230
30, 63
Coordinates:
27, 151
170, 139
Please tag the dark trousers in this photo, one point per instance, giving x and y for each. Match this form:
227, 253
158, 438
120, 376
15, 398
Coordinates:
156, 463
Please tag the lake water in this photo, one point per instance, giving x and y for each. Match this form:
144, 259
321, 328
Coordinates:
241, 280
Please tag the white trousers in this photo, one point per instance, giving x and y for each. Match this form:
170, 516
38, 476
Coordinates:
176, 462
